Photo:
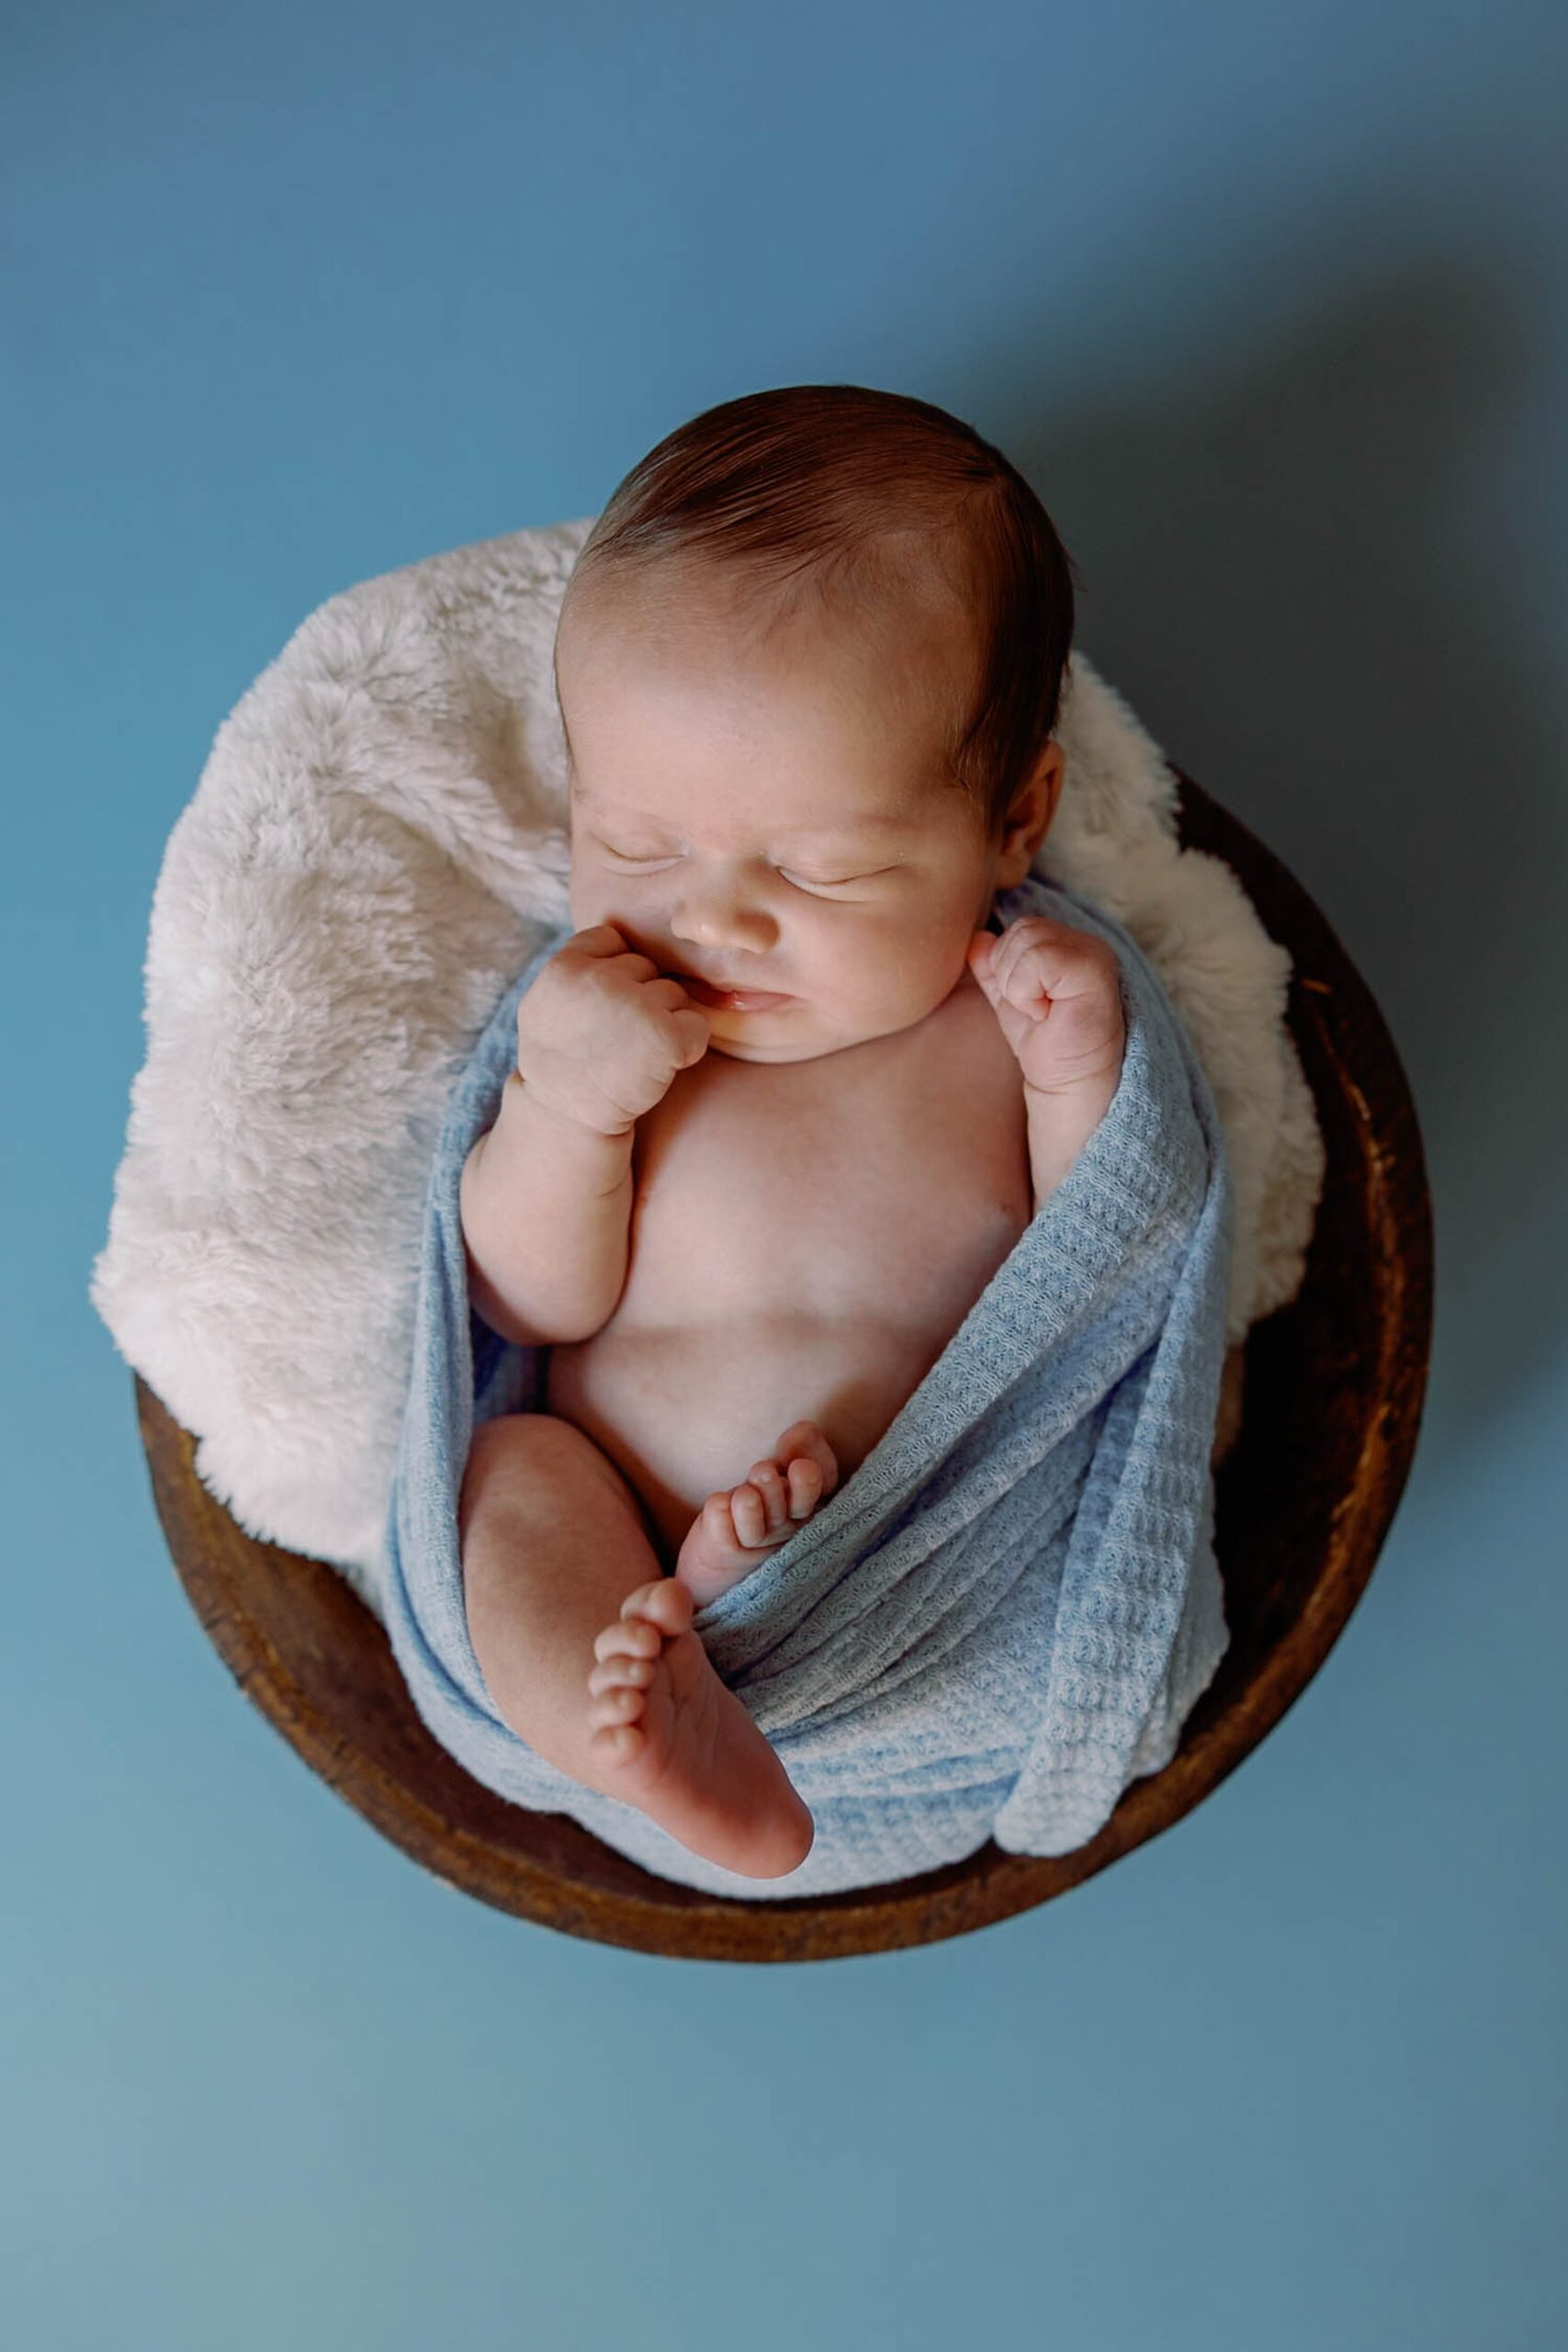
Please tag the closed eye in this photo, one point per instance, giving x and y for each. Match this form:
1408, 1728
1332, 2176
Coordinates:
806, 881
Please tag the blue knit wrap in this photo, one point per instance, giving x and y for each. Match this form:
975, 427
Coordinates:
1008, 1611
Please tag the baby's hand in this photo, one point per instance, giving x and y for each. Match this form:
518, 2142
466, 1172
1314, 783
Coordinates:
601, 1035
1057, 994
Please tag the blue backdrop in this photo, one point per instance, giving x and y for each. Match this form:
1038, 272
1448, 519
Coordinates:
1271, 305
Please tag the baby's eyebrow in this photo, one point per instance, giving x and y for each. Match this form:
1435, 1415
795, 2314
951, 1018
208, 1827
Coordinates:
866, 822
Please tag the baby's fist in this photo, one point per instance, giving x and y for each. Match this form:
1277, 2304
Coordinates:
1057, 994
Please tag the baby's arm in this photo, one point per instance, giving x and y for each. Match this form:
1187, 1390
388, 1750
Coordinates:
1059, 1127
545, 1209
1057, 994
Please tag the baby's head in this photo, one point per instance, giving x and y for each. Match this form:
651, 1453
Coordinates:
807, 666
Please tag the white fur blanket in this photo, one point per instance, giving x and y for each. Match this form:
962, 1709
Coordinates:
377, 845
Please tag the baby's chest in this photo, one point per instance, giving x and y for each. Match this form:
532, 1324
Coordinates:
883, 1187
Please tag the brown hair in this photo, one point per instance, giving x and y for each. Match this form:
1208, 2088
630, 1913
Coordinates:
804, 482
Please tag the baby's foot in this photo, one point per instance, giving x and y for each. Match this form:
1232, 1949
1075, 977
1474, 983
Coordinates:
672, 1739
737, 1527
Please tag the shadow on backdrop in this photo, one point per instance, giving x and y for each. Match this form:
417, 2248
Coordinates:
1297, 586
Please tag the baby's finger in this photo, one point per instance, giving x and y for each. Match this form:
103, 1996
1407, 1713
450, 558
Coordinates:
695, 1030
667, 990
1041, 959
1018, 974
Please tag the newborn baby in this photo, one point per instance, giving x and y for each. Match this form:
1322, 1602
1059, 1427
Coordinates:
782, 1106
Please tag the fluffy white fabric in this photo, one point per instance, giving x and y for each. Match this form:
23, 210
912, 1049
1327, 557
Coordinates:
377, 844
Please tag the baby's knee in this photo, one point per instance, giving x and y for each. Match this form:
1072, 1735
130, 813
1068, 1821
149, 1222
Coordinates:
524, 1461
510, 1448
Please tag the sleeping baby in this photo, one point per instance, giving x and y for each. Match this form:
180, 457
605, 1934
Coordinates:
783, 1103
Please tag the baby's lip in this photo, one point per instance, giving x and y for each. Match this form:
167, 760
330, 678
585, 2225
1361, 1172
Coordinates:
737, 987
728, 988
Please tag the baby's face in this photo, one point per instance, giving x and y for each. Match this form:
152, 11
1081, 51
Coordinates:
768, 818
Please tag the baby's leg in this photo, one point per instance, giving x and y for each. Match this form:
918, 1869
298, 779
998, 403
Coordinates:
555, 1552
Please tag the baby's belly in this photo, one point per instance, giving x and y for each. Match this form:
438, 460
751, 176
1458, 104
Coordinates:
685, 1412
805, 1239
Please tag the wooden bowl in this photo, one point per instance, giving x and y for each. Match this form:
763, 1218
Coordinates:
1332, 1395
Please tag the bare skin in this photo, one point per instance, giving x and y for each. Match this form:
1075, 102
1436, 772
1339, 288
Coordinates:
669, 1736
588, 1651
816, 1203
737, 1527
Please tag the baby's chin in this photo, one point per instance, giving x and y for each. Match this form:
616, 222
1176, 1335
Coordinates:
743, 1039
753, 1037
753, 1049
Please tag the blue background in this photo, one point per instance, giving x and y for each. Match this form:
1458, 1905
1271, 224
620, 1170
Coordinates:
1271, 304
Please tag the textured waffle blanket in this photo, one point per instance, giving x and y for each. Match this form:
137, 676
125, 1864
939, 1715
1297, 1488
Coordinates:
1006, 1613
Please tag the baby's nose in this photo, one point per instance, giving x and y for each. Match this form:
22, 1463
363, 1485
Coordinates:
717, 919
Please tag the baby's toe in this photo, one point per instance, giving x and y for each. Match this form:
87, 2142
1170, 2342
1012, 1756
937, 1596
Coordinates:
617, 1743
749, 1513
805, 1487
716, 1525
622, 1705
628, 1637
805, 1441
665, 1605
618, 1672
774, 1491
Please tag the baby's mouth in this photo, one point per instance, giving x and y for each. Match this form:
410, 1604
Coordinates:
736, 999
